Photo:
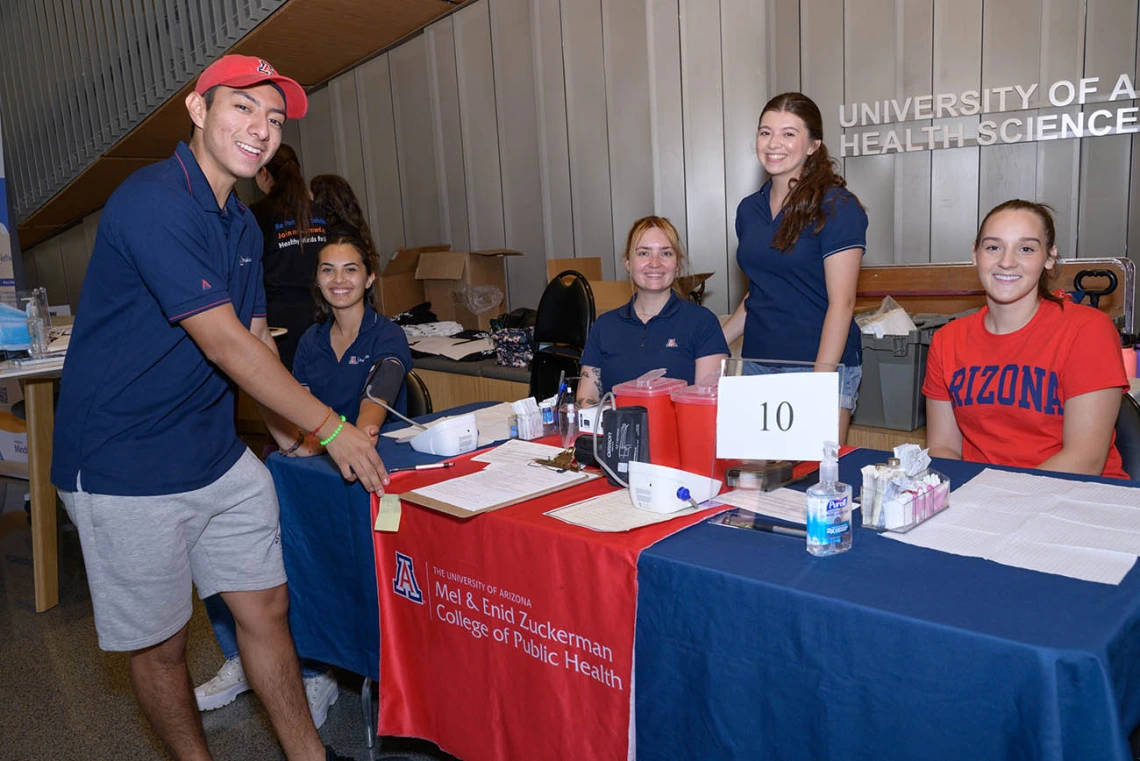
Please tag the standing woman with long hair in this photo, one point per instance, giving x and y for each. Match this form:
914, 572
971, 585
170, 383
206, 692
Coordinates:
801, 243
335, 197
294, 230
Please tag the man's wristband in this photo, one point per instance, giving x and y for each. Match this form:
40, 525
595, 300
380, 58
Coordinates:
322, 425
296, 445
326, 442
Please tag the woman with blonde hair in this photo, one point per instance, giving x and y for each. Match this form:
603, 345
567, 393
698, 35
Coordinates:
657, 328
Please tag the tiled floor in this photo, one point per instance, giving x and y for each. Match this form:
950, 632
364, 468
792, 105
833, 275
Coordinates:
61, 698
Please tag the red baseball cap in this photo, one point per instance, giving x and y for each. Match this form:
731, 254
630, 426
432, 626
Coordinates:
242, 71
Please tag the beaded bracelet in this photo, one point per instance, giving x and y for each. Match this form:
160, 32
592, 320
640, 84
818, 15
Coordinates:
296, 445
326, 442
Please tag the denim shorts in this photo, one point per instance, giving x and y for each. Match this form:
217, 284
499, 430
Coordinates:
849, 378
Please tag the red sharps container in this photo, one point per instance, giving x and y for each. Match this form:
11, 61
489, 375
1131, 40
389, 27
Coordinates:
654, 393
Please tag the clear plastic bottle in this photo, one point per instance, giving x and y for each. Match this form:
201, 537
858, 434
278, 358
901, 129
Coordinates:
829, 529
568, 423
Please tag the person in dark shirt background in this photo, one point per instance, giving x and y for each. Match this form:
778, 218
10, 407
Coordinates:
294, 229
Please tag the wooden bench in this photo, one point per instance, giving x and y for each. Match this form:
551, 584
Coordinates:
954, 287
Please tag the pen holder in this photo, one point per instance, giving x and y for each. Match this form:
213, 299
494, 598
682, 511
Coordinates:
903, 502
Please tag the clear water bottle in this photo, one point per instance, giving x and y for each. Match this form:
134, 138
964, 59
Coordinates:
568, 423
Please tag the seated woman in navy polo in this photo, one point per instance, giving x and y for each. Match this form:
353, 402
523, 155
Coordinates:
656, 328
350, 348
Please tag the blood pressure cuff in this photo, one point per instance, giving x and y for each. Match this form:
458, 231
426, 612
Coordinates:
384, 380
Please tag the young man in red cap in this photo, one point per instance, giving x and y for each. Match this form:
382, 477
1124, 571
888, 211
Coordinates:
146, 458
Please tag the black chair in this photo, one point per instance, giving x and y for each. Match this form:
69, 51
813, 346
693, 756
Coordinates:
565, 314
419, 398
1128, 435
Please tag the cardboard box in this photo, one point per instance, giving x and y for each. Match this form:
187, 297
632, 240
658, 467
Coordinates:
610, 294
590, 266
397, 289
444, 275
13, 441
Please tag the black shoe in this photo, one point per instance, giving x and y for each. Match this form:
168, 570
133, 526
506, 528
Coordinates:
331, 755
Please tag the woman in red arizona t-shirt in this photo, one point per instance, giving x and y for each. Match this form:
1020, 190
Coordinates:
1030, 380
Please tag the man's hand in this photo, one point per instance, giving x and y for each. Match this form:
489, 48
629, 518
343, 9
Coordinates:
354, 451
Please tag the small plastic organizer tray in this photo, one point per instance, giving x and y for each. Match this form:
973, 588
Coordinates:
902, 511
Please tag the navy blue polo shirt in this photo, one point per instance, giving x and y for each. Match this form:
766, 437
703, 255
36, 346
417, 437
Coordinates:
141, 410
624, 348
787, 291
340, 383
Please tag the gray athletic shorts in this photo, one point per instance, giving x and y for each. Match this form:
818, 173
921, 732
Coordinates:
143, 553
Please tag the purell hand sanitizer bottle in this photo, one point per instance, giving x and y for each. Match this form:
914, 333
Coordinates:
829, 508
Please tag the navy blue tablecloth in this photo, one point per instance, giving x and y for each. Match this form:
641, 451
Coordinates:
326, 538
750, 648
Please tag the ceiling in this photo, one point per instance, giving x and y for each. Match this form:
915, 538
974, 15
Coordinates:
309, 40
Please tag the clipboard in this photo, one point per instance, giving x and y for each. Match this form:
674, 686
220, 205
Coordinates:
428, 501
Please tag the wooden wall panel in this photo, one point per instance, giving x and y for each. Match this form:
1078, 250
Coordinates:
515, 99
50, 272
588, 139
957, 54
446, 126
553, 138
480, 129
783, 43
415, 142
74, 254
746, 76
381, 161
870, 74
822, 46
317, 135
628, 123
1110, 49
666, 121
914, 73
702, 93
347, 136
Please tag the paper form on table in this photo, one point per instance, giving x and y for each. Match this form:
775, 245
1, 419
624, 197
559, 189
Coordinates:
516, 452
612, 512
1083, 530
785, 504
492, 488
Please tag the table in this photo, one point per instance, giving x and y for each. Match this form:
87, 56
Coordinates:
750, 648
39, 412
326, 539
501, 636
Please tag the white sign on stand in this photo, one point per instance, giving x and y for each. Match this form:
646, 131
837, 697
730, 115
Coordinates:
777, 416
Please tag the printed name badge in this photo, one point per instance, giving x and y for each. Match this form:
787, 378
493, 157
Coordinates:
777, 416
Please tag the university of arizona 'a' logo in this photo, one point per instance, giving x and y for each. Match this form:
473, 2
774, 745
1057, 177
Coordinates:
263, 67
405, 582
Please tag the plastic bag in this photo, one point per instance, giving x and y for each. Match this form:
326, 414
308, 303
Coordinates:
481, 298
889, 319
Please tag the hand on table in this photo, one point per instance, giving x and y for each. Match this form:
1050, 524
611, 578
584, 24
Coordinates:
354, 451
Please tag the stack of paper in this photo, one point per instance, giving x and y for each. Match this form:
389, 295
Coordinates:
611, 513
1079, 529
492, 488
785, 504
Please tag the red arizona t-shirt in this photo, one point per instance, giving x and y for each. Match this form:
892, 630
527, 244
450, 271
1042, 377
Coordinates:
1009, 391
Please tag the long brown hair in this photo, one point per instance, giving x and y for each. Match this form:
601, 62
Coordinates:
1044, 212
803, 208
334, 196
342, 234
666, 227
289, 195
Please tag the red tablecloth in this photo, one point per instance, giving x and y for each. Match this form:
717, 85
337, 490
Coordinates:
509, 635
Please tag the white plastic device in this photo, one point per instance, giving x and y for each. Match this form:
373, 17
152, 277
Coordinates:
659, 489
590, 420
449, 438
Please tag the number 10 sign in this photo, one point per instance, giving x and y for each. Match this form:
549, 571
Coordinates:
777, 416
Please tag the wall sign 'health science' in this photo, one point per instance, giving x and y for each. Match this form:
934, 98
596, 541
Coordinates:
1096, 116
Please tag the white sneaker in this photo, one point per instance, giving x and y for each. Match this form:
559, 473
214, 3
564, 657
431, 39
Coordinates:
321, 691
224, 688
